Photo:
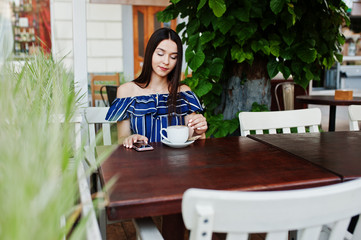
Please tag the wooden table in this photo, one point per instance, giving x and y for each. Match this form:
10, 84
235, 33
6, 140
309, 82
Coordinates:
328, 100
339, 152
152, 183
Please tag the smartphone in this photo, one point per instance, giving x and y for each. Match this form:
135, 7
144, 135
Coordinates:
141, 146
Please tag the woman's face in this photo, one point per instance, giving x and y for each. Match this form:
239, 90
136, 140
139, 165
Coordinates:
164, 58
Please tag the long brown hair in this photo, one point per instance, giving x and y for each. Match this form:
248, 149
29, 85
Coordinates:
174, 76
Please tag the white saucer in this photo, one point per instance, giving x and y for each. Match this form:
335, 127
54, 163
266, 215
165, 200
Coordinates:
177, 145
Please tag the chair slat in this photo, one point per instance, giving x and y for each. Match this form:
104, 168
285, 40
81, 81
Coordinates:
286, 130
106, 134
237, 236
301, 129
282, 235
311, 233
339, 229
273, 131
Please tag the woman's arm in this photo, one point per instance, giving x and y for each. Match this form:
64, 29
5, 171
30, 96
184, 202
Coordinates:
125, 135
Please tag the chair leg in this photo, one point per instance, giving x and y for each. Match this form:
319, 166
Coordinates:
103, 223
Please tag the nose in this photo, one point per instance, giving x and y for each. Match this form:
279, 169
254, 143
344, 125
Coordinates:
166, 59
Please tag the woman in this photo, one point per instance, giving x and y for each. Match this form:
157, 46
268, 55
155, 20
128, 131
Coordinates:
156, 98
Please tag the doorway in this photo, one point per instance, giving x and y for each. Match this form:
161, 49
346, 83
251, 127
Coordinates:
145, 22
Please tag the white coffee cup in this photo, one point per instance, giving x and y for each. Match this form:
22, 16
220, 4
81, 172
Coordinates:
176, 134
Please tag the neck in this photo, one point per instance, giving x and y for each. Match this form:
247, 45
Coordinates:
158, 84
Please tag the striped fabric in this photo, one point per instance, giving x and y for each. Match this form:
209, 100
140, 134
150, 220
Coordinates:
148, 114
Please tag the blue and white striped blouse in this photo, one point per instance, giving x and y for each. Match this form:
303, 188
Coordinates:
149, 113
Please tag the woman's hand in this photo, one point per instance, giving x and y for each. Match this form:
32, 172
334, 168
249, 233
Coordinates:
198, 123
129, 141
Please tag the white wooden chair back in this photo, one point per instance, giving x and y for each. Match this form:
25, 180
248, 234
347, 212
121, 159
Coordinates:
94, 116
285, 120
95, 119
354, 114
274, 212
92, 230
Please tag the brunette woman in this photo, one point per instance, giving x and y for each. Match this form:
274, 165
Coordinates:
157, 99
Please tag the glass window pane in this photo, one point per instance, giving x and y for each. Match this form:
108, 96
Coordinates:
166, 24
157, 24
141, 34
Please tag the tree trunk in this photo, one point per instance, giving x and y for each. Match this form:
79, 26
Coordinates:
239, 96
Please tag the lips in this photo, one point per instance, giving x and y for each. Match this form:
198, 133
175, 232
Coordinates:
163, 69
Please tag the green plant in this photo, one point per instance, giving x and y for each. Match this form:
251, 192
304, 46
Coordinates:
37, 180
251, 40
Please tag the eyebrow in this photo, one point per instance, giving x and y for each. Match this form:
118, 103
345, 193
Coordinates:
165, 50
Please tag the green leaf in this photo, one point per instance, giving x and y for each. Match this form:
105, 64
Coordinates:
339, 57
192, 82
261, 44
240, 55
225, 24
206, 17
193, 41
193, 26
217, 89
309, 74
276, 6
306, 54
296, 67
175, 1
237, 54
207, 36
201, 4
275, 50
272, 68
197, 60
180, 27
221, 132
256, 46
247, 31
288, 37
166, 15
241, 14
203, 88
189, 54
217, 67
284, 70
286, 53
218, 41
218, 6
265, 22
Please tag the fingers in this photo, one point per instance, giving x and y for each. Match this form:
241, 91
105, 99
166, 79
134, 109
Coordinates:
198, 122
129, 141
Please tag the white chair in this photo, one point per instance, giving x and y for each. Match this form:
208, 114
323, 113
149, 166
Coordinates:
95, 119
92, 230
354, 114
285, 120
288, 94
275, 212
145, 227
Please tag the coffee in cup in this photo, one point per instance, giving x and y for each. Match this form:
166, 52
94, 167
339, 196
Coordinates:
176, 134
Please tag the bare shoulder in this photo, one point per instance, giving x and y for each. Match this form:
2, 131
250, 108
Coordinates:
127, 90
184, 88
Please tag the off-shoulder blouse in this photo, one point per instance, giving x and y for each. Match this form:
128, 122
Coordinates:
148, 114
